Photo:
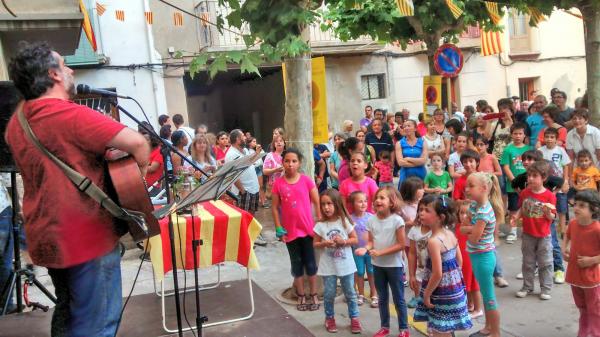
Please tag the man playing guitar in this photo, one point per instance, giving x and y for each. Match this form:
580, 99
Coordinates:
67, 231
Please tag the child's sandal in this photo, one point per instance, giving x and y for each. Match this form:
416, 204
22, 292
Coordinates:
360, 300
374, 302
315, 305
302, 306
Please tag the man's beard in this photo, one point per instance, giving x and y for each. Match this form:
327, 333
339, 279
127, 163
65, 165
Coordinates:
69, 84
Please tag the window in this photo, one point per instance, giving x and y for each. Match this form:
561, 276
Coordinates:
517, 24
372, 86
526, 88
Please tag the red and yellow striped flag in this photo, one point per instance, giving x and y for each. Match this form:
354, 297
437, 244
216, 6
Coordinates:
492, 8
205, 18
149, 17
87, 26
536, 15
491, 43
100, 8
120, 14
178, 19
406, 7
456, 11
227, 234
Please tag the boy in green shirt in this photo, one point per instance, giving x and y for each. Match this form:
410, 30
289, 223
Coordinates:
512, 165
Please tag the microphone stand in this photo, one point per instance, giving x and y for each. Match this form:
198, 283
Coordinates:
166, 148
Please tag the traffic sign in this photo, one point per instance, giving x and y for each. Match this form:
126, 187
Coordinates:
448, 60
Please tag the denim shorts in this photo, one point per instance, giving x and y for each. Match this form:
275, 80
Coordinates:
363, 263
562, 207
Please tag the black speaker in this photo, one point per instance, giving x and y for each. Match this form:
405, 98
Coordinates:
9, 99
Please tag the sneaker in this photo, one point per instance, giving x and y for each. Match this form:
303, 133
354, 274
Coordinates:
330, 325
476, 314
383, 332
519, 276
545, 296
500, 282
412, 303
260, 241
523, 293
404, 333
355, 326
559, 277
511, 237
502, 235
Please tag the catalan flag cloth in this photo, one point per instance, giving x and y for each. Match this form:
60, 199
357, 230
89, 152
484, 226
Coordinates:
227, 234
87, 26
536, 15
120, 14
100, 8
491, 43
454, 9
149, 17
492, 8
178, 19
405, 7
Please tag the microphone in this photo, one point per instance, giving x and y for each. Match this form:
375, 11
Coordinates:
86, 90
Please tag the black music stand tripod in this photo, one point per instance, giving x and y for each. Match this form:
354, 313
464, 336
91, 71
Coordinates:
14, 281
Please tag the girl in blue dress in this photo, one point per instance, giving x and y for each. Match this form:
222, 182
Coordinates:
411, 153
443, 300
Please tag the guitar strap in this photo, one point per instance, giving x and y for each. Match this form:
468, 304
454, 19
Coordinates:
83, 183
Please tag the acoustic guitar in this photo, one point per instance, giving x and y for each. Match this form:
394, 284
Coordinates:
127, 188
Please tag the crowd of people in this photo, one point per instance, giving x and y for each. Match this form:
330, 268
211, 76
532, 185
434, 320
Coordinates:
458, 174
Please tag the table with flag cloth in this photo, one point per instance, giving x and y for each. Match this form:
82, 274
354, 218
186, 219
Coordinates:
227, 234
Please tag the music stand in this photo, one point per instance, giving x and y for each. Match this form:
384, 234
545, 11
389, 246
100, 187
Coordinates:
212, 189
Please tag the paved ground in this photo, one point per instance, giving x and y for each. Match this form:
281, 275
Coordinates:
529, 317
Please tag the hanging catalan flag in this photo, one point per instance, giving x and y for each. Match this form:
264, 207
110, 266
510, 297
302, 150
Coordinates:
456, 11
120, 14
100, 8
149, 17
87, 26
491, 43
406, 7
178, 19
536, 15
492, 8
227, 234
205, 16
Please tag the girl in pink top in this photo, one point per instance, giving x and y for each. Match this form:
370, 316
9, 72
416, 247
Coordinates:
293, 194
358, 182
487, 161
273, 164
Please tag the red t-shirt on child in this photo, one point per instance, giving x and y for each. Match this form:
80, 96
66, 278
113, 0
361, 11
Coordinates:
535, 222
585, 241
460, 184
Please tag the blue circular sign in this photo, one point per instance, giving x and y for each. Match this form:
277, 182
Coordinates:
448, 60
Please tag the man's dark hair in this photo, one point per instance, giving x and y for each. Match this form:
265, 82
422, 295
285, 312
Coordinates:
29, 69
514, 98
469, 154
162, 119
178, 119
482, 103
165, 131
562, 93
470, 109
234, 135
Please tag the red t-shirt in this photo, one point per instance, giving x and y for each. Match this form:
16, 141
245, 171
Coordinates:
385, 171
585, 241
368, 186
220, 154
535, 222
64, 227
460, 185
155, 156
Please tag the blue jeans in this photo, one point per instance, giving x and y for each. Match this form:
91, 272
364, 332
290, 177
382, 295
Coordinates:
394, 278
556, 252
6, 253
89, 297
329, 291
498, 267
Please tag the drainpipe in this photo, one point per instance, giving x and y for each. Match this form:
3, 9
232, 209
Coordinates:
152, 59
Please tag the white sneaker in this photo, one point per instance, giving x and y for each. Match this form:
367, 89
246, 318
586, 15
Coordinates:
545, 296
511, 238
522, 293
519, 276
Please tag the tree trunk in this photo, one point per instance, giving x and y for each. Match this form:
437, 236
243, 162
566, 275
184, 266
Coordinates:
298, 109
591, 18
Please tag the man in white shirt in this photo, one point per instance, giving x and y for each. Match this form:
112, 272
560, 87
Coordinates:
583, 136
189, 132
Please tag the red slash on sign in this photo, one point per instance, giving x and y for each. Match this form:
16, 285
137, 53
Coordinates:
431, 94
